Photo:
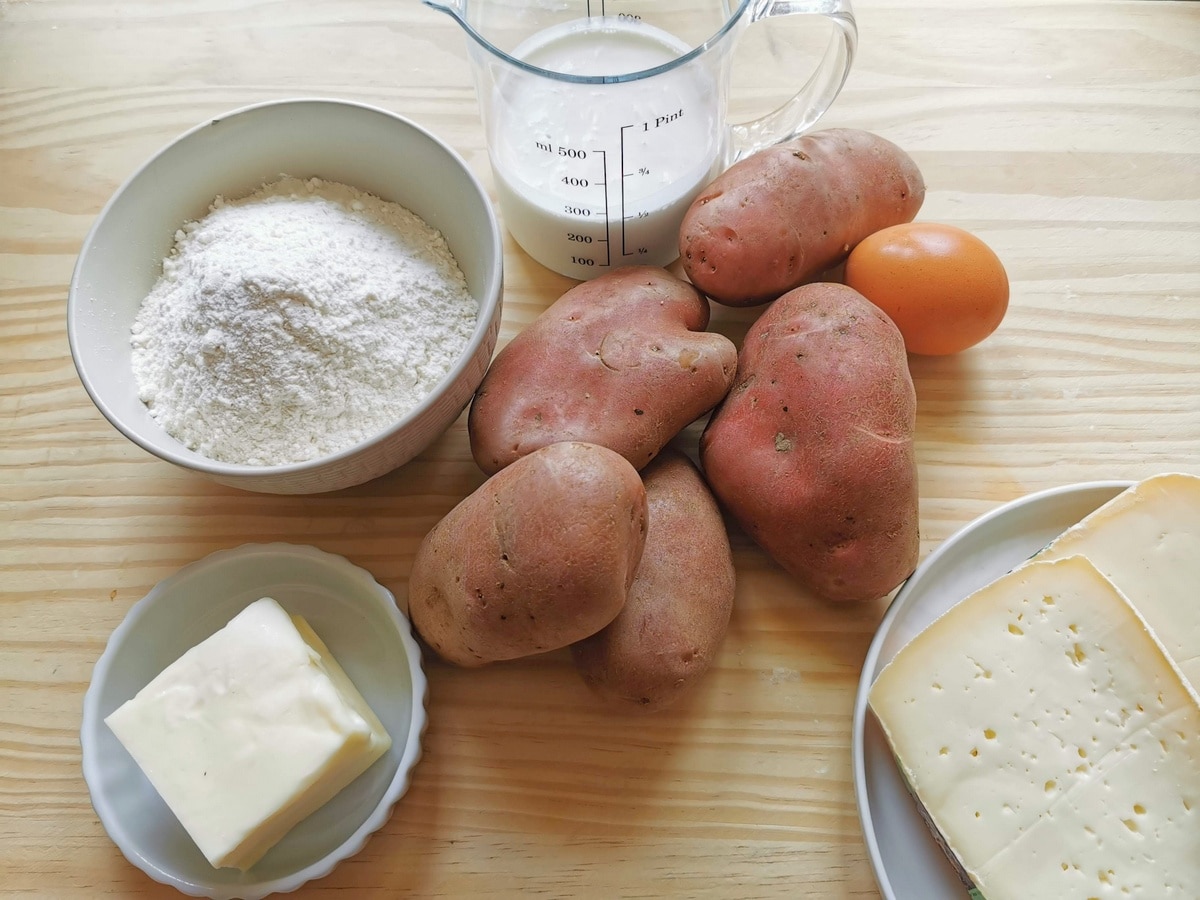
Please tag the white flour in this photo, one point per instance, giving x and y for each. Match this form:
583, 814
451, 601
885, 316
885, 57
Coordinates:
297, 322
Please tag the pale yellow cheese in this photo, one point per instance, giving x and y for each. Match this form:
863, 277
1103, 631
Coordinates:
250, 732
1053, 743
1146, 540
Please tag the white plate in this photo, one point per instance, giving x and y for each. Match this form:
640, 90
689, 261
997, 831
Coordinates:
367, 634
908, 863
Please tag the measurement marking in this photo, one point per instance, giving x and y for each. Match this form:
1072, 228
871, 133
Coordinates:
607, 224
625, 251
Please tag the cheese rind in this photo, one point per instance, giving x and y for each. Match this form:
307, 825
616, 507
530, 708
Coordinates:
1052, 742
249, 732
1146, 540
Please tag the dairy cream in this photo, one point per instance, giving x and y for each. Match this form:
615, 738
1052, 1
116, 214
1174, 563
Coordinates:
592, 177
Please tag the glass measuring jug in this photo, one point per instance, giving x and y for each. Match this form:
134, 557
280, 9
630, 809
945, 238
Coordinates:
605, 118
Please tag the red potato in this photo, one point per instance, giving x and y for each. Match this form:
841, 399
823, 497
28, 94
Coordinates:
538, 557
812, 451
783, 216
668, 633
622, 361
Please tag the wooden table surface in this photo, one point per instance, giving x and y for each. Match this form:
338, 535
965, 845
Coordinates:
1066, 134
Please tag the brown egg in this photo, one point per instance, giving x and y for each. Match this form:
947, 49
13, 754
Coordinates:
945, 289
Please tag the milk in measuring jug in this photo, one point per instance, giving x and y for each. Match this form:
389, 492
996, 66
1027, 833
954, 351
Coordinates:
592, 177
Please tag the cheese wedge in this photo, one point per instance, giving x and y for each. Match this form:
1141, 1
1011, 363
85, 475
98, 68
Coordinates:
1146, 540
250, 732
1051, 741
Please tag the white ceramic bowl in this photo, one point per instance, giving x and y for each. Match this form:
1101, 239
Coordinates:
232, 155
366, 633
908, 863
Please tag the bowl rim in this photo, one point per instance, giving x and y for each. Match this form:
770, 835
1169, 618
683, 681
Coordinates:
378, 816
489, 305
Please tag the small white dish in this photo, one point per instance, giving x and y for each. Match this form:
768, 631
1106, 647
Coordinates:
907, 862
368, 635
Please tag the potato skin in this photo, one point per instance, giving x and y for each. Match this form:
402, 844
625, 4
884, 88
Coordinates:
539, 556
622, 361
783, 216
812, 451
679, 605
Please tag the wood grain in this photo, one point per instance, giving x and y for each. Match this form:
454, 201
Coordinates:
1067, 134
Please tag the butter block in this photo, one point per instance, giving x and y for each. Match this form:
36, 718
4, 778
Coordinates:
1146, 540
250, 732
1050, 739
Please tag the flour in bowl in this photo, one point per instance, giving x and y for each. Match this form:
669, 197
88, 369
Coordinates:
297, 322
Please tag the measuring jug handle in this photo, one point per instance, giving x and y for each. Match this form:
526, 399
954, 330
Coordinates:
822, 87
